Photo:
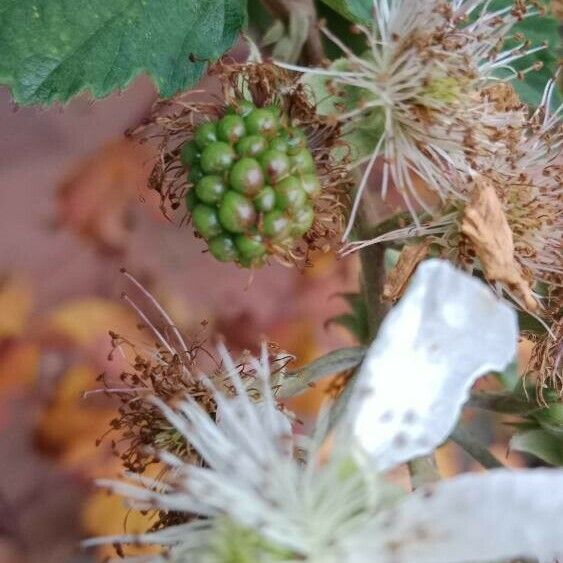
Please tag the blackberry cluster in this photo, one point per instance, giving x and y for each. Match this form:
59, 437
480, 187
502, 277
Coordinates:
253, 183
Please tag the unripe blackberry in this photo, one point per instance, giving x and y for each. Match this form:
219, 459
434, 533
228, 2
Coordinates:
253, 183
265, 200
250, 247
276, 225
262, 121
276, 165
252, 145
223, 248
191, 154
302, 220
302, 162
310, 183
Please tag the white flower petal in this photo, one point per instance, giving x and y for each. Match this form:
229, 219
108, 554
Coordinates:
448, 330
489, 517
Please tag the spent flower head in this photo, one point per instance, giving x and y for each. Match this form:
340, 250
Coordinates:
264, 494
420, 86
169, 368
507, 220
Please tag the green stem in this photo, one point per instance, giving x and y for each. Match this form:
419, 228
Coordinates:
500, 402
372, 260
467, 442
372, 280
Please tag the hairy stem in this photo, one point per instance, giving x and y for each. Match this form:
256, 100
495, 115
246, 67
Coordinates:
372, 259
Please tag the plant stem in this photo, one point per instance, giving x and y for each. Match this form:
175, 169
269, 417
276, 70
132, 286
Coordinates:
372, 260
500, 402
467, 442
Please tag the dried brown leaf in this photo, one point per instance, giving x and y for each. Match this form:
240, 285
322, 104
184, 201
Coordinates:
503, 95
95, 199
399, 276
16, 303
484, 224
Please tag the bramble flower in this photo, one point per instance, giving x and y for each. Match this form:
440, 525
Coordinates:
420, 90
264, 494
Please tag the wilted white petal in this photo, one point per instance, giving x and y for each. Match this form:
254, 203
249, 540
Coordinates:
489, 517
448, 329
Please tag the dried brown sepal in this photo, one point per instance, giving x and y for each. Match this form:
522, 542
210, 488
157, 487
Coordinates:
557, 9
173, 122
503, 95
546, 360
140, 424
398, 278
484, 224
170, 376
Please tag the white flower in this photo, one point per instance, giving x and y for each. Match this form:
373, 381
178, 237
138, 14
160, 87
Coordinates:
447, 331
257, 500
421, 82
499, 515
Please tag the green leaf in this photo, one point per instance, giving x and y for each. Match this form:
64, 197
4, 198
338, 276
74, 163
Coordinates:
356, 321
537, 29
299, 380
550, 418
470, 444
509, 377
54, 49
529, 323
541, 444
359, 11
501, 402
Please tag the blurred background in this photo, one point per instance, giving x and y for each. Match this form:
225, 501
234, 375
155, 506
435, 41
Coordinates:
74, 210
